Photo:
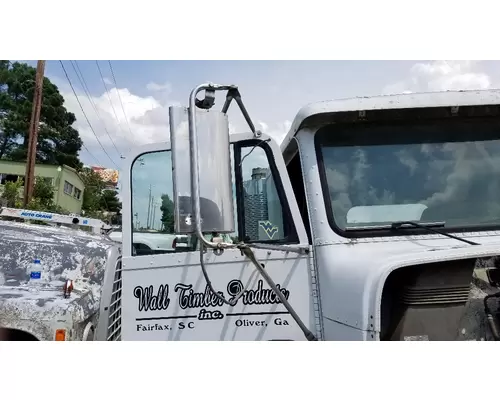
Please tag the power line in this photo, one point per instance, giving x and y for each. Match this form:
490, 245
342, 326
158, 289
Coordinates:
119, 98
85, 115
92, 103
109, 96
83, 144
86, 89
94, 157
88, 151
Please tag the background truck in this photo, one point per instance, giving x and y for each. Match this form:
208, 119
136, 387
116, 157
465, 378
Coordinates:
153, 242
53, 276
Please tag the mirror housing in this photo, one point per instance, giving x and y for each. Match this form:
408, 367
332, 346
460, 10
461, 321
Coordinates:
215, 177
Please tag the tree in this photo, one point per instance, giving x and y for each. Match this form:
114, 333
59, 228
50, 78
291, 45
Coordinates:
6, 104
167, 210
11, 193
109, 201
93, 188
116, 219
43, 192
58, 142
96, 198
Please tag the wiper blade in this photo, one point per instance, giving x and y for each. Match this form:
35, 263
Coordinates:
428, 227
394, 225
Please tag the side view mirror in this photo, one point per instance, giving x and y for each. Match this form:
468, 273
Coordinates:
201, 161
214, 164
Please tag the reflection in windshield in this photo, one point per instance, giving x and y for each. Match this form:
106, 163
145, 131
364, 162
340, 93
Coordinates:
422, 173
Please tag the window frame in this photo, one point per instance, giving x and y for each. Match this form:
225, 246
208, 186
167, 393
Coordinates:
72, 188
289, 225
194, 242
383, 232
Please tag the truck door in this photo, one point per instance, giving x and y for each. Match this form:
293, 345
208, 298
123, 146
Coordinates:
165, 295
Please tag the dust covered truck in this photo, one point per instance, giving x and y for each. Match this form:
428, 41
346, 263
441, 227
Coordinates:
52, 279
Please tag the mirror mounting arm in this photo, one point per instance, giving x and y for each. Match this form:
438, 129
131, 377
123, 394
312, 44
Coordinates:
207, 103
234, 94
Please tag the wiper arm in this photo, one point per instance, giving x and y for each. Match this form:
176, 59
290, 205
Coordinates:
400, 225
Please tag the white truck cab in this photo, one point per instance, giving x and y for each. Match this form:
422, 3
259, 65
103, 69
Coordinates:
378, 218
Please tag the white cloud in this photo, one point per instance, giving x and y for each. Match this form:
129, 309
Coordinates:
155, 87
147, 117
278, 131
113, 119
442, 75
107, 81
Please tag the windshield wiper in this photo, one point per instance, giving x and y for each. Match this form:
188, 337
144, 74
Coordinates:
427, 227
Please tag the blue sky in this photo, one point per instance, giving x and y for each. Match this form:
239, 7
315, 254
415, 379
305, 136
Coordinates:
273, 92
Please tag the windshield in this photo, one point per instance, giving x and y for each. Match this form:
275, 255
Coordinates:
428, 171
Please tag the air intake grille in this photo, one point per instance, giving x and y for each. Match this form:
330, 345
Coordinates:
431, 296
115, 307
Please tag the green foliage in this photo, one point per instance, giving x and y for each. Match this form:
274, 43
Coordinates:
58, 142
11, 195
116, 219
41, 204
93, 188
43, 191
109, 201
97, 199
167, 216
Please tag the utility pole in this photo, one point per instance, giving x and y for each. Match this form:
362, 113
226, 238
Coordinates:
29, 178
154, 213
149, 206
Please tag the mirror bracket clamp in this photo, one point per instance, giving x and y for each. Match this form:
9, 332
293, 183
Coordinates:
208, 102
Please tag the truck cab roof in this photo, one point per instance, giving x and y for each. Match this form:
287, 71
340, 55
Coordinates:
325, 109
